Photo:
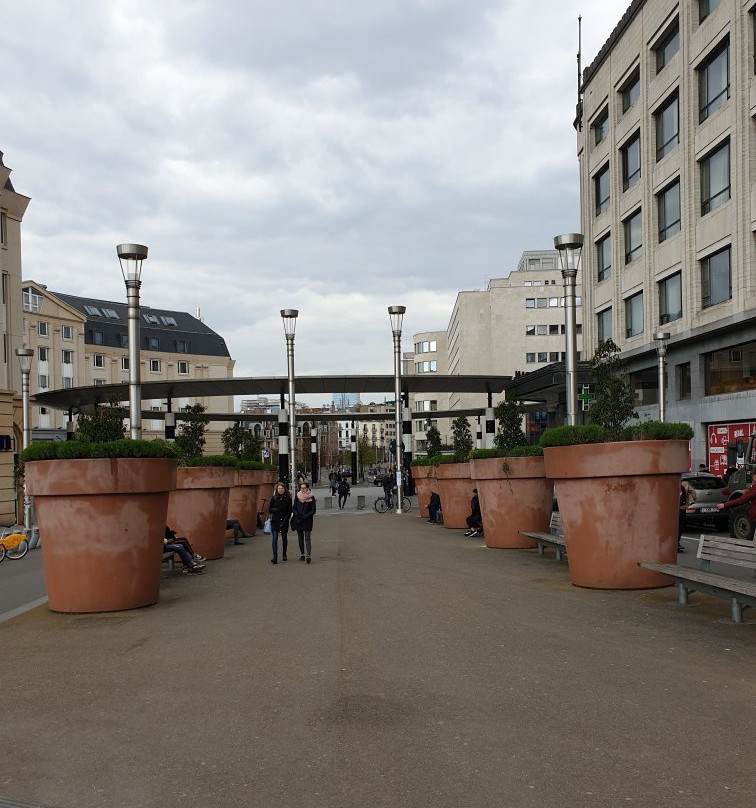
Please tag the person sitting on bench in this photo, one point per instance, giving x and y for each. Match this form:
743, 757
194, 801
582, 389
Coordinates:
193, 562
235, 525
434, 506
474, 520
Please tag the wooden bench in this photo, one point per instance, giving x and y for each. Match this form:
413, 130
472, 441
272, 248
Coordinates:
735, 552
554, 538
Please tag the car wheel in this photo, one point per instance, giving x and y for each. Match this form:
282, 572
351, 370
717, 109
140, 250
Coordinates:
740, 528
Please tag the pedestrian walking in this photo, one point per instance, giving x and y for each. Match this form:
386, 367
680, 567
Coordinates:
343, 493
303, 513
279, 512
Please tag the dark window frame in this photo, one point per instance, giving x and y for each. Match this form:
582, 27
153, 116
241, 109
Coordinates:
631, 172
664, 147
708, 105
667, 228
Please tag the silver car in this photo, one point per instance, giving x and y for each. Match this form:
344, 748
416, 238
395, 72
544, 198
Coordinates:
702, 492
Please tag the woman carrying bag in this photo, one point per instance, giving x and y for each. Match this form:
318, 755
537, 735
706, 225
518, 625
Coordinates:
301, 520
279, 512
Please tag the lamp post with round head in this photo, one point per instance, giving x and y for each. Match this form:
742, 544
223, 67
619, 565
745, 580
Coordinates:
396, 315
289, 317
661, 338
130, 257
570, 248
25, 359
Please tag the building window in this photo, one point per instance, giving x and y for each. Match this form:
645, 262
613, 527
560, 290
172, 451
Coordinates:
630, 91
31, 300
67, 357
43, 329
715, 179
716, 280
542, 330
543, 356
634, 315
426, 367
67, 382
553, 356
604, 258
98, 338
601, 187
541, 303
554, 330
183, 368
3, 228
42, 354
668, 47
633, 237
66, 332
631, 165
705, 7
153, 344
167, 320
530, 357
714, 82
99, 360
604, 325
123, 340
668, 205
732, 370
670, 299
182, 346
529, 302
682, 379
668, 127
530, 330
111, 314
124, 363
151, 319
99, 382
154, 366
601, 126
42, 380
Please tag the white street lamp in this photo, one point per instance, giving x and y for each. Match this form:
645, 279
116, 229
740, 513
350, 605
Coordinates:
25, 359
289, 317
661, 338
130, 257
570, 248
396, 315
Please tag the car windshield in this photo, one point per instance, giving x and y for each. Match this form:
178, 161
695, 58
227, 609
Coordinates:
705, 483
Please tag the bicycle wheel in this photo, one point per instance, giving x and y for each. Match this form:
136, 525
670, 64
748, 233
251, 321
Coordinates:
19, 551
2, 552
380, 505
406, 504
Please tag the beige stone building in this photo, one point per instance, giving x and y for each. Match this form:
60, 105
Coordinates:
81, 341
667, 151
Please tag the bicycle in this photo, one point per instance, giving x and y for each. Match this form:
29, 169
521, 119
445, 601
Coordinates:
13, 545
382, 506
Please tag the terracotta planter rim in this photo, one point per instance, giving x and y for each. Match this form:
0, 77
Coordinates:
205, 477
520, 468
609, 459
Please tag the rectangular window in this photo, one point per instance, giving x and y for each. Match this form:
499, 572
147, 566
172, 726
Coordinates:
43, 329
66, 332
99, 382
542, 330
31, 301
668, 127
541, 303
42, 380
67, 382
668, 47
67, 357
124, 363
716, 280
154, 366
715, 179
553, 356
705, 7
601, 188
553, 330
530, 357
98, 338
631, 165
668, 206
93, 311
151, 319
182, 346
634, 315
123, 340
168, 320
730, 370
543, 356
3, 228
682, 378
630, 91
604, 325
553, 302
99, 360
529, 302
633, 237
604, 258
153, 344
42, 354
183, 368
112, 314
670, 299
714, 82
530, 330
601, 126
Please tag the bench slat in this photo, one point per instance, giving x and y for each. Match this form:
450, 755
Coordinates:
723, 582
548, 538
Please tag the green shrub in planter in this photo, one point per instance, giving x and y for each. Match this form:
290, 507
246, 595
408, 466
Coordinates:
210, 460
78, 450
515, 451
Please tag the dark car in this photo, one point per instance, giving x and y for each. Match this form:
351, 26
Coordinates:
702, 494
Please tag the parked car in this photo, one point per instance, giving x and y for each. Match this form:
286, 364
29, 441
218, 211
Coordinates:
702, 493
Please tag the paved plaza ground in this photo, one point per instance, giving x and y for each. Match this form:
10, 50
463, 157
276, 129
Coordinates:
406, 666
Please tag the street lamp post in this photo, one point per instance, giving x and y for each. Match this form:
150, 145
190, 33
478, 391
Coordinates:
661, 338
289, 317
25, 358
130, 257
396, 315
570, 247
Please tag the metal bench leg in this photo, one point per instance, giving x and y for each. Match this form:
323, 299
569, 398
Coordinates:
540, 549
558, 551
682, 594
736, 610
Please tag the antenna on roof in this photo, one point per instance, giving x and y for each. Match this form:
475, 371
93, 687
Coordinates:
579, 107
199, 315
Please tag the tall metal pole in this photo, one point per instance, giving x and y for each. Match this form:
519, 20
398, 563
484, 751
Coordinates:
24, 357
570, 247
289, 317
661, 338
396, 314
131, 257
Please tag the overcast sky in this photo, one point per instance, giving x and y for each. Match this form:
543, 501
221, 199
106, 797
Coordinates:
335, 156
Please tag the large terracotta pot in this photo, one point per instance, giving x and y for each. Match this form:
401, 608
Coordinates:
425, 484
618, 503
455, 489
242, 498
519, 498
103, 522
198, 507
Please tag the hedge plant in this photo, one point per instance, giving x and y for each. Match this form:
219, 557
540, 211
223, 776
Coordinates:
210, 460
83, 450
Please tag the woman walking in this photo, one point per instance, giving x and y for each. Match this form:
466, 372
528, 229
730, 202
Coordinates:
301, 520
279, 512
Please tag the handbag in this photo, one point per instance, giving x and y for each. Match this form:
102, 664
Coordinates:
268, 528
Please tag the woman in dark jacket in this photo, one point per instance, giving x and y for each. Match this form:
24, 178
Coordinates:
279, 512
301, 520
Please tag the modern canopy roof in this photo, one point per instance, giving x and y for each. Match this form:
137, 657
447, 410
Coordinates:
79, 397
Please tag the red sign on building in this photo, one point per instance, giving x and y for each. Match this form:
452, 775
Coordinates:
720, 435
